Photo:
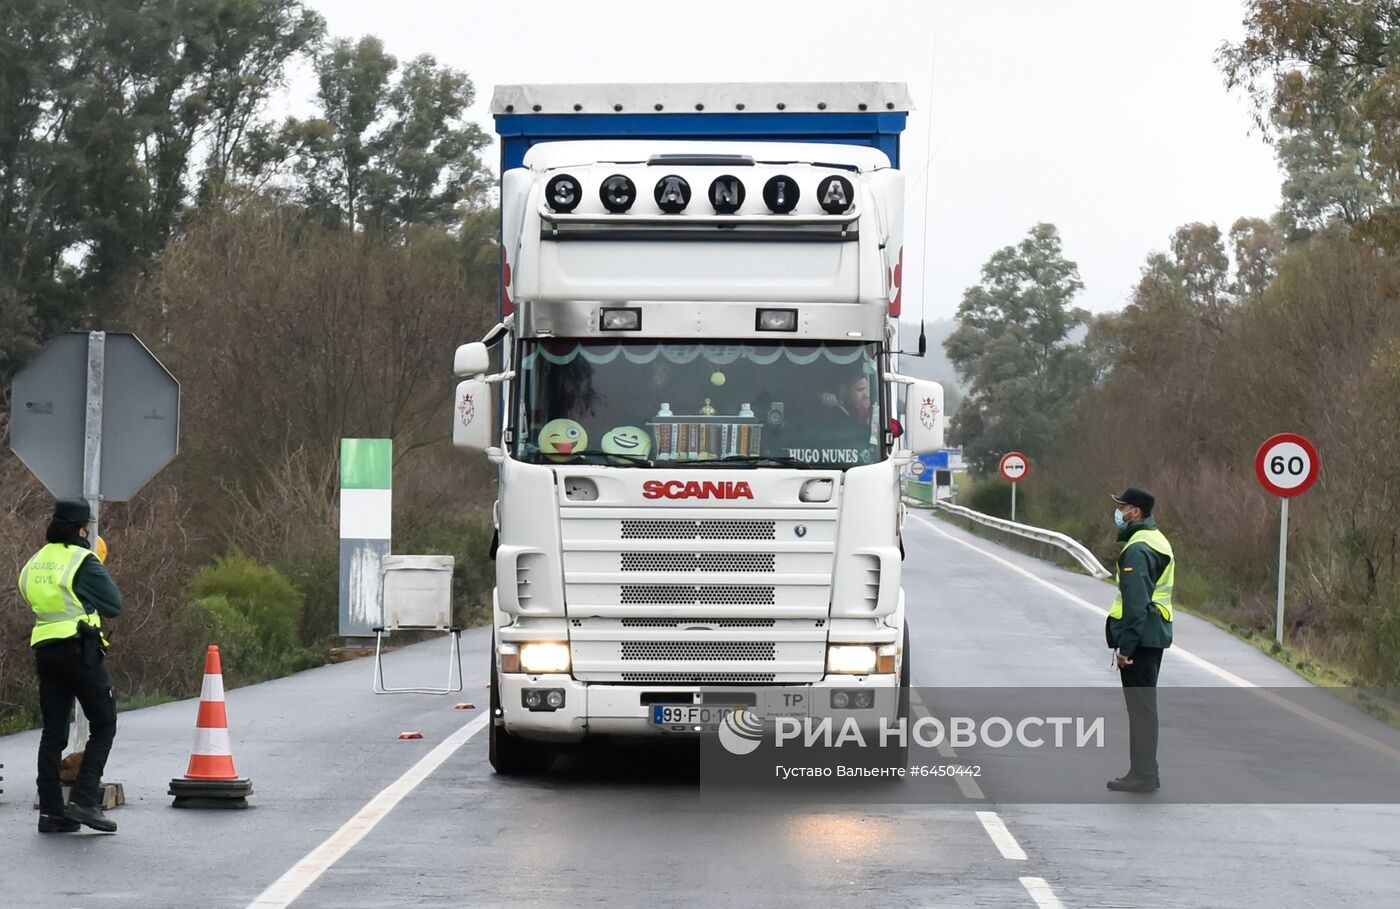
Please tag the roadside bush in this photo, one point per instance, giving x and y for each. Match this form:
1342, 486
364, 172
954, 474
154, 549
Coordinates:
236, 588
1379, 643
317, 576
231, 630
266, 598
993, 497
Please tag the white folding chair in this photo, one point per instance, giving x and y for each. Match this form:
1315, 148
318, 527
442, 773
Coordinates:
415, 594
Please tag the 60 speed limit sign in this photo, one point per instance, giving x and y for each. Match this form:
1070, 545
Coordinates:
1286, 464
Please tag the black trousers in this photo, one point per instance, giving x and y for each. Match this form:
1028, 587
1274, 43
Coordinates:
1140, 694
62, 679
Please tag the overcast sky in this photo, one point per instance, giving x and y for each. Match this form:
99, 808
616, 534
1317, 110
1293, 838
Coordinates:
1108, 119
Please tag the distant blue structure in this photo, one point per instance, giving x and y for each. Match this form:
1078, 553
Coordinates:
943, 459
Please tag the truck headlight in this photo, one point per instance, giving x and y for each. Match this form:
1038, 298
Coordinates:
860, 659
544, 656
851, 659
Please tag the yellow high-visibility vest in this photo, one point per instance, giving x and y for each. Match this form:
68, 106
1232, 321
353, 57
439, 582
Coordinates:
46, 583
1162, 593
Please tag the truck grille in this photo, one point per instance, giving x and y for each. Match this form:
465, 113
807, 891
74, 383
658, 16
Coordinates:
698, 594
699, 529
697, 650
697, 561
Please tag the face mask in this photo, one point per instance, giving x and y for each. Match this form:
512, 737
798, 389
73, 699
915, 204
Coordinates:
1119, 520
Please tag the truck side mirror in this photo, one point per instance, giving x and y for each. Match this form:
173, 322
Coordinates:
923, 416
471, 360
471, 414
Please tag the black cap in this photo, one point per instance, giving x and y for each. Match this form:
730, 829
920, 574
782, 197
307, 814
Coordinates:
74, 511
1138, 498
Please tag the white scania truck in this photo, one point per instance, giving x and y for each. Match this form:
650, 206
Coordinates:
695, 409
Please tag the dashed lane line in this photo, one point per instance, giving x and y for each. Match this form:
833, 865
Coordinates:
1006, 843
966, 784
996, 828
319, 860
1224, 674
1040, 891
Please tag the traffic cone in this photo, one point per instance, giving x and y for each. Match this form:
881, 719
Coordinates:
210, 781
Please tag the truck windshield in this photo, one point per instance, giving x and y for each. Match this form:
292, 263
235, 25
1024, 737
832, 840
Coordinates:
640, 404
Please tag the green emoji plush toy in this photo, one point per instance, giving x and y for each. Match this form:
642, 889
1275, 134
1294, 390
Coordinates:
627, 440
561, 440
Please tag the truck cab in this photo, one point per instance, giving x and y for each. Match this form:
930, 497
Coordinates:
695, 410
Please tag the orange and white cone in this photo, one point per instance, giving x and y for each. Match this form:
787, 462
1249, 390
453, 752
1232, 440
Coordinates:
210, 781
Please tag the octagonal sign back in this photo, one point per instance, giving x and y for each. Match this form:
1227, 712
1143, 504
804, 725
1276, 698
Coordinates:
140, 416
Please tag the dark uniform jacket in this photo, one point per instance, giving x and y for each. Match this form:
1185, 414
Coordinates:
1139, 567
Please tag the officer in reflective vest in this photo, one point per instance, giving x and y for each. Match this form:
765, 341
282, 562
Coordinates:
1139, 628
70, 593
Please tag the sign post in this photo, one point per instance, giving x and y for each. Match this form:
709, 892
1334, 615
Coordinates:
1013, 469
1286, 465
92, 428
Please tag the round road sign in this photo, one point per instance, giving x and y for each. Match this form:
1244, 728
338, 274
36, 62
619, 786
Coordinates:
1014, 466
1286, 464
917, 468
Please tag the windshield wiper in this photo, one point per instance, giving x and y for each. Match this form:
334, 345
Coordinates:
631, 460
752, 460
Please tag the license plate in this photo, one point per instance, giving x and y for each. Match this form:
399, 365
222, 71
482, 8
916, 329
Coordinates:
689, 714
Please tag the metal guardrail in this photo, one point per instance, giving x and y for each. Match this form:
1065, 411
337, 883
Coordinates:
1078, 551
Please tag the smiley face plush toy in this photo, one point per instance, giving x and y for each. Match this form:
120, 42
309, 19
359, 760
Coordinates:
627, 440
561, 440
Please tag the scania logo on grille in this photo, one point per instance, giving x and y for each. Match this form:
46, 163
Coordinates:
800, 530
695, 489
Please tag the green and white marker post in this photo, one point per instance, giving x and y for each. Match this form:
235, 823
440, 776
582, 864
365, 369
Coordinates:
366, 518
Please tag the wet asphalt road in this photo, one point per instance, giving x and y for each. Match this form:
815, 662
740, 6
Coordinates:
633, 827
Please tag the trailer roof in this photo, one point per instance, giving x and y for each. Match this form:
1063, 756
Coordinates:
689, 97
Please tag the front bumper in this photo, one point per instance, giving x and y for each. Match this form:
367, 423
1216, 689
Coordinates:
594, 708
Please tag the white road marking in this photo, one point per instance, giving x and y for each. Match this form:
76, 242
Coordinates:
1006, 843
319, 860
966, 784
1224, 674
1040, 891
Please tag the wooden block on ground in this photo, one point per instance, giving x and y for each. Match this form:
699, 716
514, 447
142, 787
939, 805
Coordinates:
113, 796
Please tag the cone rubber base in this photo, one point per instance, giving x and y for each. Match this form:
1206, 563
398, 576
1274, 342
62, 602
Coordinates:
210, 793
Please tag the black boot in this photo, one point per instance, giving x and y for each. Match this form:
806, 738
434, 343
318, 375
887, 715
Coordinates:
91, 817
57, 823
1133, 783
